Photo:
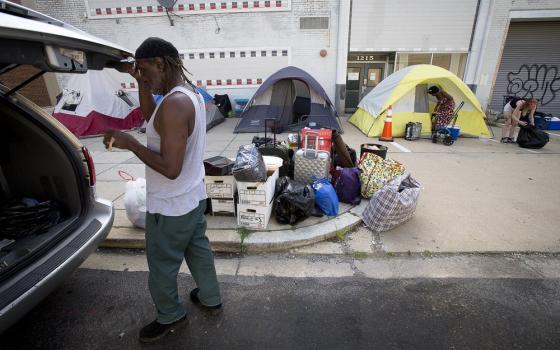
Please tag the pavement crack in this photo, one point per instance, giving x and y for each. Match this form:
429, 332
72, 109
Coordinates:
238, 266
524, 262
377, 243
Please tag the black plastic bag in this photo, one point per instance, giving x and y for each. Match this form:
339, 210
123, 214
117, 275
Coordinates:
531, 137
19, 219
249, 165
223, 103
259, 141
294, 201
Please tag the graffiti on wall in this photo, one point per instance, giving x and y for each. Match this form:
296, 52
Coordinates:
535, 81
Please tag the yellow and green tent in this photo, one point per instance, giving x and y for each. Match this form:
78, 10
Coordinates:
406, 91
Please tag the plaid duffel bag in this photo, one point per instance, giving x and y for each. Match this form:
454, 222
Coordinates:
393, 204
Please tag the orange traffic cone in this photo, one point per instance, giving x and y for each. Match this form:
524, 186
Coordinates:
388, 126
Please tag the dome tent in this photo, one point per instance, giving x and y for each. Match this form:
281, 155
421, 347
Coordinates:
406, 91
286, 96
93, 102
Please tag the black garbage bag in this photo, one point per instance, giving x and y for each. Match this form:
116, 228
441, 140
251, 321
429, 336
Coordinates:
531, 137
223, 103
249, 165
294, 201
259, 141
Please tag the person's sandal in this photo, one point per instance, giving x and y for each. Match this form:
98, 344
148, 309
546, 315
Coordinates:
155, 330
215, 309
504, 140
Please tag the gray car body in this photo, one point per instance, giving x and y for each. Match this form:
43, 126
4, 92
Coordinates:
43, 39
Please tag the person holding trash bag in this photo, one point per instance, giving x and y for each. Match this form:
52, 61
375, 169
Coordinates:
444, 108
517, 111
176, 196
527, 114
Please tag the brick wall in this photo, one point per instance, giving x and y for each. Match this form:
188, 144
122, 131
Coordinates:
36, 91
244, 31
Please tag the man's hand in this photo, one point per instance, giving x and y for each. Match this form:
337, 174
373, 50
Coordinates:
119, 139
134, 71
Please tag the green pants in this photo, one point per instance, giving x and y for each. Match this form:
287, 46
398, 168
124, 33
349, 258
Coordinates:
169, 239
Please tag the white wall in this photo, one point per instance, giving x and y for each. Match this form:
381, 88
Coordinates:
254, 30
412, 25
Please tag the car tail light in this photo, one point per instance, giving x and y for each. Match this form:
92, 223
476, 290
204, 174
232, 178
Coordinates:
90, 165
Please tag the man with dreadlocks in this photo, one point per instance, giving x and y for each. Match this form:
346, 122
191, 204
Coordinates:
176, 196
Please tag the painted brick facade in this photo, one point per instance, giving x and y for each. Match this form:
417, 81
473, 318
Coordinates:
36, 91
245, 31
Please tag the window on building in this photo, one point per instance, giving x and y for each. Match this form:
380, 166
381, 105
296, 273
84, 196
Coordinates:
201, 56
284, 52
454, 62
232, 54
274, 53
263, 53
253, 53
242, 54
442, 60
222, 55
191, 56
211, 55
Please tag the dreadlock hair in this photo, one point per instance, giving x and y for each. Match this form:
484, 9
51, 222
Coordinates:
156, 47
175, 65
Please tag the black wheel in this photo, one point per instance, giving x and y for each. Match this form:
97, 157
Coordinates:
434, 138
448, 140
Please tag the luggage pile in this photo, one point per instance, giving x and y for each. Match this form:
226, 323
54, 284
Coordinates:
308, 174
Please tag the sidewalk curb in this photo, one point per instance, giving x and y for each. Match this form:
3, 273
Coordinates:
229, 240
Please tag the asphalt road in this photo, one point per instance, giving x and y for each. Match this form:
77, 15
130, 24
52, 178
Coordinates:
98, 309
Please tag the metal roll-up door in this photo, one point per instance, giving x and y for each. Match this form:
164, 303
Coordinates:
530, 65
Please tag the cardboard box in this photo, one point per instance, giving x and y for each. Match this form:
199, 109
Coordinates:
258, 193
220, 186
223, 206
253, 217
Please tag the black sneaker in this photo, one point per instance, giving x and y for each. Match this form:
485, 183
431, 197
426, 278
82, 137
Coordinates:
504, 140
155, 330
212, 309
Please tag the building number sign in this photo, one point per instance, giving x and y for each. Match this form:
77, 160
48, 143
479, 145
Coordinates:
365, 58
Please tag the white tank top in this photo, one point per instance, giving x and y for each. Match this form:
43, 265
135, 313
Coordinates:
180, 196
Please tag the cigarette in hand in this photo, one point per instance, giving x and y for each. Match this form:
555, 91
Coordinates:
110, 147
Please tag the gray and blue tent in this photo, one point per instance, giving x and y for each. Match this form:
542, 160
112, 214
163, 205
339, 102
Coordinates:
291, 97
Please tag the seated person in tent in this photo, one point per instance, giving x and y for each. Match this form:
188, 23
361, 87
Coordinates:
517, 111
444, 108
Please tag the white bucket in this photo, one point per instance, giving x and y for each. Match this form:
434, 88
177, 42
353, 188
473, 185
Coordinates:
272, 163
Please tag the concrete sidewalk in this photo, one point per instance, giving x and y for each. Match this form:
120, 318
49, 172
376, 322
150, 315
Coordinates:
479, 196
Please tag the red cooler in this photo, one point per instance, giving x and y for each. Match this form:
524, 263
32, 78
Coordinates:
325, 139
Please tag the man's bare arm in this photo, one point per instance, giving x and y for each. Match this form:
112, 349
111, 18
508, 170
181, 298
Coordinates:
174, 122
147, 103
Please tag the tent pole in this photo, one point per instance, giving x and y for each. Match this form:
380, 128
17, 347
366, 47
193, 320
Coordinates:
373, 121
